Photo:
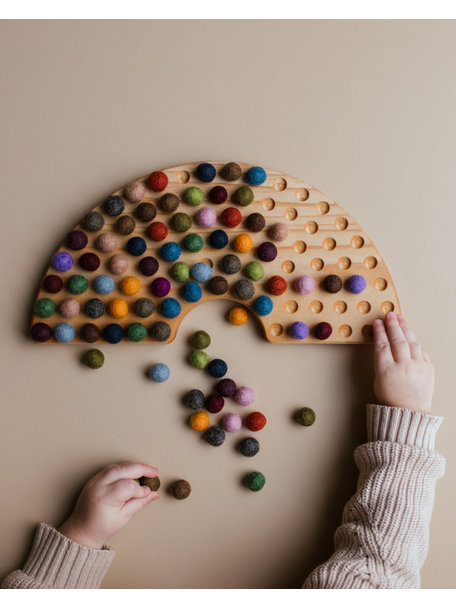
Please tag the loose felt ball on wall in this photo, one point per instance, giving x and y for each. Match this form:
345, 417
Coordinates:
230, 264
94, 308
181, 489
231, 217
332, 283
52, 283
218, 195
237, 316
214, 435
160, 287
64, 333
113, 205
136, 332
160, 331
193, 196
44, 308
305, 416
217, 368
103, 284
134, 192
113, 333
93, 221
254, 481
243, 196
243, 243
153, 483
180, 271
144, 307
69, 308
158, 231
245, 395
118, 308
159, 372
206, 217
256, 176
157, 181
214, 403
244, 289
255, 222
231, 172
198, 359
93, 358
231, 423
254, 271
356, 283
304, 284
263, 306
191, 292
76, 240
201, 272
119, 263
267, 251
255, 421
194, 399
199, 421
277, 285
192, 243
77, 284
249, 447
278, 232
170, 252
125, 224
226, 387
145, 212
89, 261
181, 222
41, 332
205, 172
168, 203
107, 242
322, 331
148, 265
62, 261
136, 246
200, 340
89, 332
130, 286
218, 239
298, 330
217, 285
170, 308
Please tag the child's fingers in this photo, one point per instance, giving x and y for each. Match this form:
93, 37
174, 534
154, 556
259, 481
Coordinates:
136, 504
128, 470
425, 355
399, 345
382, 350
122, 490
416, 350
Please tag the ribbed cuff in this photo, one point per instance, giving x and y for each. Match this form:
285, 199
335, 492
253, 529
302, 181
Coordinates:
58, 562
399, 425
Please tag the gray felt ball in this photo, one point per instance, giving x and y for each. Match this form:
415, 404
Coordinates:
194, 399
94, 308
244, 289
93, 221
230, 264
214, 435
144, 307
113, 205
249, 447
160, 331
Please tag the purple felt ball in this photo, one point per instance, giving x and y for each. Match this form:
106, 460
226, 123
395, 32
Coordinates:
356, 283
62, 261
245, 395
148, 266
267, 251
232, 423
206, 217
160, 287
298, 330
226, 387
41, 332
304, 284
77, 240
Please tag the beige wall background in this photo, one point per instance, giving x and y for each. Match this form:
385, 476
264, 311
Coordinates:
365, 111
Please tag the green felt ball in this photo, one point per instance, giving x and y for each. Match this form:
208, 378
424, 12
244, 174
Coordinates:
199, 359
305, 416
136, 332
194, 196
254, 481
44, 307
93, 358
200, 340
181, 222
77, 284
180, 271
193, 243
254, 271
244, 196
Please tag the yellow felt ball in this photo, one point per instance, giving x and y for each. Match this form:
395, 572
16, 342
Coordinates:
243, 243
118, 308
199, 421
237, 316
130, 285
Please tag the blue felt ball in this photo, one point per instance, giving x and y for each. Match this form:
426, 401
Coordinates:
217, 368
201, 272
205, 172
159, 372
218, 239
255, 176
103, 284
136, 245
263, 306
113, 333
170, 308
191, 292
356, 283
170, 252
64, 332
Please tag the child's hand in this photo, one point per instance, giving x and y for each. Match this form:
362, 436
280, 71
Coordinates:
404, 376
107, 502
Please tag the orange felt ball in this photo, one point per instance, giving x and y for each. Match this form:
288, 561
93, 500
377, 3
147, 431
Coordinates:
130, 285
243, 243
199, 421
237, 316
118, 308
255, 421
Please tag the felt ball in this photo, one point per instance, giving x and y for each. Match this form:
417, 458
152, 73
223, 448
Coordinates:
214, 435
160, 287
77, 284
170, 308
136, 332
231, 423
181, 222
198, 359
217, 285
254, 481
243, 196
94, 308
298, 330
249, 447
245, 395
113, 333
205, 172
52, 283
41, 332
243, 243
214, 403
76, 240
231, 217
193, 243
267, 251
231, 172
107, 242
159, 372
125, 224
89, 261
181, 489
136, 246
160, 331
238, 316
44, 308
90, 332
201, 272
168, 203
180, 271
134, 192
153, 483
145, 212
200, 340
148, 266
118, 308
218, 239
322, 331
255, 222
93, 358
93, 221
278, 232
144, 307
103, 284
62, 261
113, 205
244, 289
304, 284
199, 421
277, 285
230, 264
206, 217
356, 283
305, 416
170, 252
194, 399
332, 283
119, 263
218, 195
193, 196
254, 271
157, 181
191, 292
256, 176
226, 387
263, 306
64, 333
69, 308
158, 231
217, 368
255, 421
130, 285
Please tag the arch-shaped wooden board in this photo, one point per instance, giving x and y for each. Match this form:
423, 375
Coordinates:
322, 239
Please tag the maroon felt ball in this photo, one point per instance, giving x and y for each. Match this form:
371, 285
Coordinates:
214, 403
322, 330
148, 266
76, 240
218, 195
89, 261
41, 332
226, 387
52, 283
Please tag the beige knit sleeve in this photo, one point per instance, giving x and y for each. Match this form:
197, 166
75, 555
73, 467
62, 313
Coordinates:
56, 562
384, 536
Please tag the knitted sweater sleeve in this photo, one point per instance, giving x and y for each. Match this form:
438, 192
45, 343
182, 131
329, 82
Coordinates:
56, 562
384, 536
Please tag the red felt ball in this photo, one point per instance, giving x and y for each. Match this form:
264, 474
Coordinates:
322, 330
158, 231
218, 195
214, 403
89, 261
231, 217
277, 285
255, 421
52, 283
157, 181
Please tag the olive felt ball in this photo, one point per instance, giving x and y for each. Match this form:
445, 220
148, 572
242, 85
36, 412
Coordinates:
200, 340
194, 399
214, 403
255, 421
134, 192
263, 306
230, 264
125, 224
199, 359
255, 222
103, 284
93, 358
157, 181
201, 272
153, 483
158, 231
64, 333
215, 436
76, 240
206, 217
170, 308
160, 331
254, 481
170, 252
113, 205
41, 332
146, 212
205, 172
89, 261
199, 421
168, 203
244, 289
136, 332
148, 265
44, 308
181, 489
217, 285
231, 423
254, 271
244, 196
218, 239
191, 292
322, 330
93, 221
52, 283
62, 261
159, 372
180, 271
226, 387
144, 307
193, 196
356, 284
249, 447
231, 172
217, 368
245, 395
256, 176
77, 284
113, 333
299, 330
218, 195
305, 416
193, 243
181, 222
136, 246
90, 333
332, 283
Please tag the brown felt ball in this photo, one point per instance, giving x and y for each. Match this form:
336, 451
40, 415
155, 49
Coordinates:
90, 333
145, 212
168, 203
151, 482
125, 224
217, 285
332, 283
231, 172
255, 222
181, 489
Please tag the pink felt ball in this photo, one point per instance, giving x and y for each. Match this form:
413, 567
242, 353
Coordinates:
106, 242
304, 284
231, 423
206, 217
134, 192
69, 308
118, 263
245, 395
